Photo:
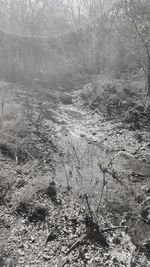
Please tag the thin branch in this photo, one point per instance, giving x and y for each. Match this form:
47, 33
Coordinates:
130, 15
113, 228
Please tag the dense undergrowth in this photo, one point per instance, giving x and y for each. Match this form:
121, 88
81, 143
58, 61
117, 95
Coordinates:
119, 99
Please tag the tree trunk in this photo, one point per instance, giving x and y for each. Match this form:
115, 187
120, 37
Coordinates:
148, 77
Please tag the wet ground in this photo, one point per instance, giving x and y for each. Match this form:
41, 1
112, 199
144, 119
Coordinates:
93, 140
85, 137
86, 140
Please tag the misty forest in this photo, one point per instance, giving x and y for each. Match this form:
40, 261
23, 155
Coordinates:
74, 133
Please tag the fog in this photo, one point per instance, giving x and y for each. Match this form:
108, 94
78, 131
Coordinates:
74, 133
52, 41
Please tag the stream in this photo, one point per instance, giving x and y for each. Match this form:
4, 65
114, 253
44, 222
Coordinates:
90, 143
86, 150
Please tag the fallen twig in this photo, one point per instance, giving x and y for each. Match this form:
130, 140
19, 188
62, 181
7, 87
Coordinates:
51, 236
76, 243
65, 262
66, 175
113, 228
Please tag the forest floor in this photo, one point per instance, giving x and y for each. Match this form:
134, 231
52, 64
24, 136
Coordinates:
68, 176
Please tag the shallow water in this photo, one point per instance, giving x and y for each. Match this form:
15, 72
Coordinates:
83, 153
80, 167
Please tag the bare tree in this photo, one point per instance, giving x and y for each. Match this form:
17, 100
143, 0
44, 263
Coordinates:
28, 16
139, 15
